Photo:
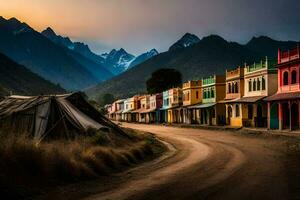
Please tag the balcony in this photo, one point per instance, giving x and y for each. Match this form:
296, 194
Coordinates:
289, 55
191, 84
208, 81
236, 73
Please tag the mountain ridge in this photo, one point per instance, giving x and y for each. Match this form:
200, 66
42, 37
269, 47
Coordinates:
40, 55
211, 55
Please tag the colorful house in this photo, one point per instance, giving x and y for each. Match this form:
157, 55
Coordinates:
107, 107
166, 105
175, 113
112, 112
283, 107
191, 95
260, 82
143, 117
130, 105
119, 109
234, 92
212, 112
153, 114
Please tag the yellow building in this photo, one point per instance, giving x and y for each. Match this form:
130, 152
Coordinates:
191, 95
234, 92
174, 111
130, 105
244, 104
260, 82
212, 112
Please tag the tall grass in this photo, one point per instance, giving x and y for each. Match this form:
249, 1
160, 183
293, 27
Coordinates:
25, 166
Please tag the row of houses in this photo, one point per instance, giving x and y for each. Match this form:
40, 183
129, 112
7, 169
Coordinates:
264, 94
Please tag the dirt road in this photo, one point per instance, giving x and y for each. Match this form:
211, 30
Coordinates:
205, 164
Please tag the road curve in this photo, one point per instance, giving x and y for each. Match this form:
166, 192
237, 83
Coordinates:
205, 164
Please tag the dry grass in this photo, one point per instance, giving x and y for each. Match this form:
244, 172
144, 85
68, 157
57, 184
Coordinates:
26, 168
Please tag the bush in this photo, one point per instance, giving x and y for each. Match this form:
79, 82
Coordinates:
26, 167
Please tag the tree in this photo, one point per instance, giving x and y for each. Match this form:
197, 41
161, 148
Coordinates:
106, 99
163, 79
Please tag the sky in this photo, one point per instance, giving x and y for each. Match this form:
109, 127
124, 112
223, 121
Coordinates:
140, 25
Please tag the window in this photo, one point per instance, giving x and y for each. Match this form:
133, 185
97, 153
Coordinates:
188, 96
197, 95
204, 94
258, 84
236, 88
254, 85
208, 94
285, 78
263, 83
250, 85
294, 77
229, 88
232, 88
237, 110
212, 95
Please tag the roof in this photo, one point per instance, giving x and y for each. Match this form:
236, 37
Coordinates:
283, 96
140, 110
149, 110
119, 111
203, 105
243, 100
229, 100
44, 115
249, 99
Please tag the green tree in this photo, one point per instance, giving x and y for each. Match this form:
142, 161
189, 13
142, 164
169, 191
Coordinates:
106, 99
163, 79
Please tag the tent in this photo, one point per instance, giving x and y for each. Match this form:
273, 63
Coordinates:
53, 116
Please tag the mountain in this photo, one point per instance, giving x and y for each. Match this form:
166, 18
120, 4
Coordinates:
143, 57
116, 61
63, 41
187, 40
81, 53
20, 80
42, 56
211, 55
268, 46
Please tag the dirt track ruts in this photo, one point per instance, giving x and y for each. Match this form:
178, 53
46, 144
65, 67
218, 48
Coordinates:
205, 164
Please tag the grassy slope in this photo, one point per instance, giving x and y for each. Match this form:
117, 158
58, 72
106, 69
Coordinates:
27, 170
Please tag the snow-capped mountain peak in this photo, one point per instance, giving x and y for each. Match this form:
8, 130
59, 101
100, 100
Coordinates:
185, 41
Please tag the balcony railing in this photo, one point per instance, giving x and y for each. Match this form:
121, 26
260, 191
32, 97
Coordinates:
209, 80
289, 55
267, 64
233, 73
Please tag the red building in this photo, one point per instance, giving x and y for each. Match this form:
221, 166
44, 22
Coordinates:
283, 107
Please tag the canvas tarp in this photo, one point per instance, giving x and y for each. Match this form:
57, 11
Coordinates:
43, 116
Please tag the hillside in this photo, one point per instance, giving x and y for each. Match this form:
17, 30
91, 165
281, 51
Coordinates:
42, 56
210, 55
19, 80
